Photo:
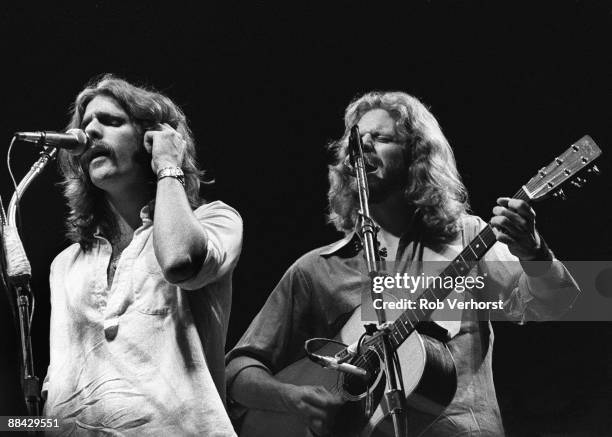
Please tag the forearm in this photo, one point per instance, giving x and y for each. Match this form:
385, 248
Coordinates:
547, 278
178, 238
537, 290
554, 284
255, 388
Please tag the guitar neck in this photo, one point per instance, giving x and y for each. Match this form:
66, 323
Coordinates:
461, 265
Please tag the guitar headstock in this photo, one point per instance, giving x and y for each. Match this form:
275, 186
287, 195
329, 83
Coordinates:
578, 159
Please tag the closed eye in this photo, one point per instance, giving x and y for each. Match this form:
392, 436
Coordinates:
110, 120
105, 119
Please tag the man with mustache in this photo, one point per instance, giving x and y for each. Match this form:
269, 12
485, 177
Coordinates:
420, 205
141, 299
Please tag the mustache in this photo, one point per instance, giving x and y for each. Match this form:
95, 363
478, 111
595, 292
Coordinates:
371, 162
98, 148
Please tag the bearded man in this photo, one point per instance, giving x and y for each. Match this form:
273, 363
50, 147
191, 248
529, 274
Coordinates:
420, 205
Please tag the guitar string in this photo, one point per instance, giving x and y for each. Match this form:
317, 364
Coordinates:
369, 358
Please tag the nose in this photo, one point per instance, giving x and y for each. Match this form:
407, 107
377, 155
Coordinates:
368, 142
94, 129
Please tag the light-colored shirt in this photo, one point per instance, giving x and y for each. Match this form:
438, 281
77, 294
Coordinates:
144, 357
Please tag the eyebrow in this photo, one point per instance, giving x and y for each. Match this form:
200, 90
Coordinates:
378, 130
102, 112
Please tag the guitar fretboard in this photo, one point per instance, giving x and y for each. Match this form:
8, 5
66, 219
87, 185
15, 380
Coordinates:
460, 266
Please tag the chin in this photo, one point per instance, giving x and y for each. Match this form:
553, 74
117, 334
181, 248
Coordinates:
100, 178
380, 190
377, 192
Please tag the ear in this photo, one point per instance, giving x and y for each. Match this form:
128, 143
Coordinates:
147, 142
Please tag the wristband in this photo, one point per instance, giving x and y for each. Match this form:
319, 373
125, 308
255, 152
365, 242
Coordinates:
171, 172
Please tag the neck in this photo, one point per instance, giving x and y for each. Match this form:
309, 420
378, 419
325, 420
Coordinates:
126, 207
393, 214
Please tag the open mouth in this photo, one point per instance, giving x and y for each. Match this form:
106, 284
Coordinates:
98, 150
371, 164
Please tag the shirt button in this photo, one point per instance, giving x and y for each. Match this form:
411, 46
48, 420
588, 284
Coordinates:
111, 326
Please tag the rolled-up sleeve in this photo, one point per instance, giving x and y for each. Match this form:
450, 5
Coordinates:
508, 279
278, 332
223, 228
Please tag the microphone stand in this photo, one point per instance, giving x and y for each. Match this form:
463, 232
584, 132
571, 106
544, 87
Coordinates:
394, 395
19, 280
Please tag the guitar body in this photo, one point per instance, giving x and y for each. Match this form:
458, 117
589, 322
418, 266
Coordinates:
428, 374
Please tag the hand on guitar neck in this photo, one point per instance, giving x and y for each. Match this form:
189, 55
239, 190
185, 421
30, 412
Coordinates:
314, 405
514, 224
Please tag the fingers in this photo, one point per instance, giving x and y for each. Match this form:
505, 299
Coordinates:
164, 129
513, 216
318, 428
317, 406
518, 206
503, 236
321, 397
514, 224
320, 423
319, 420
508, 218
166, 146
153, 132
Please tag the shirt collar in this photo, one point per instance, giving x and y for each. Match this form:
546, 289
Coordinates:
352, 239
354, 242
145, 216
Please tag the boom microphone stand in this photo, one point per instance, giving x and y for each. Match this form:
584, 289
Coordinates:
19, 273
394, 395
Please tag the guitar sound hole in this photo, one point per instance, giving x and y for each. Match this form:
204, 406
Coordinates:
357, 386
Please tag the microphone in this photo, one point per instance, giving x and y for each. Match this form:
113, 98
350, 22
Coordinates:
75, 141
369, 167
334, 364
355, 150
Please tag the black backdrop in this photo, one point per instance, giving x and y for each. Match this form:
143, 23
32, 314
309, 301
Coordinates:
512, 84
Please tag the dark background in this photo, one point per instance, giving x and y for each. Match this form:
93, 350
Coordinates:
512, 84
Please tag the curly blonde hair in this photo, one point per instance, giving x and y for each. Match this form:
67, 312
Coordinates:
433, 184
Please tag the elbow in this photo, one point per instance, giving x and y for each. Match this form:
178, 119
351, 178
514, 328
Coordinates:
181, 268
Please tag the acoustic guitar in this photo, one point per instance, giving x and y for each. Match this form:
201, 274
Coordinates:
427, 367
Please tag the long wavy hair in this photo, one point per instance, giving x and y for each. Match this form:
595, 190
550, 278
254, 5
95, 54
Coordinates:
433, 186
89, 210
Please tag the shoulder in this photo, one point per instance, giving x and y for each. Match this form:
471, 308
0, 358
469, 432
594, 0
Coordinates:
218, 210
313, 259
67, 255
216, 207
66, 258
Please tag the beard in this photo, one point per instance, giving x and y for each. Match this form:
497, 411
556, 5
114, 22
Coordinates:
387, 180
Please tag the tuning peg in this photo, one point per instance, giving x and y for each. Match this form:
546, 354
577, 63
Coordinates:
560, 194
594, 170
